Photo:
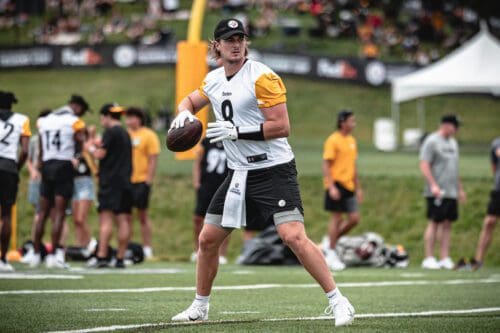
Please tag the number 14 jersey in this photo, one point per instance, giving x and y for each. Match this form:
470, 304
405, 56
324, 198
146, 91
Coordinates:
57, 130
239, 99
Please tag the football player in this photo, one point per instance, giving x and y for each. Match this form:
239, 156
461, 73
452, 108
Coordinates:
249, 103
14, 130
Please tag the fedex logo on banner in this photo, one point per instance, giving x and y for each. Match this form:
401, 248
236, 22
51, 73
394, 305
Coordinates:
83, 57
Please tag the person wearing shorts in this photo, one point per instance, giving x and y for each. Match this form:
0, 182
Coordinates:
209, 171
115, 193
439, 159
14, 131
145, 152
249, 103
492, 210
342, 186
61, 134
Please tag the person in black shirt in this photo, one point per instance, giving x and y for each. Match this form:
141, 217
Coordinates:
114, 195
209, 171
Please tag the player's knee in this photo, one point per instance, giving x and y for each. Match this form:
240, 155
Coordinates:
293, 239
354, 220
206, 243
490, 222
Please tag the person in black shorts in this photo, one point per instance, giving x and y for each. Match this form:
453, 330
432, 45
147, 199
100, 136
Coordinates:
61, 134
209, 171
14, 130
492, 213
114, 195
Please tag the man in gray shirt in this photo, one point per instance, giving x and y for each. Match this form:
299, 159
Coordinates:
493, 211
439, 165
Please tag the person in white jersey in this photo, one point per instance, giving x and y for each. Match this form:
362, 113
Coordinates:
249, 103
60, 133
14, 130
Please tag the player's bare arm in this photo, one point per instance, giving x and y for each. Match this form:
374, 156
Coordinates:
333, 191
152, 163
277, 124
25, 142
425, 168
189, 106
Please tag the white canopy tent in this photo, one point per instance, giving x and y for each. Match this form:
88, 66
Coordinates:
472, 68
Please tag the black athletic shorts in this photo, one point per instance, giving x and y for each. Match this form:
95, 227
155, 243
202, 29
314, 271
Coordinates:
57, 179
268, 191
446, 210
203, 197
140, 195
8, 189
116, 199
348, 203
494, 204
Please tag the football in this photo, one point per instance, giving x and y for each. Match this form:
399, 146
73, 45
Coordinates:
184, 138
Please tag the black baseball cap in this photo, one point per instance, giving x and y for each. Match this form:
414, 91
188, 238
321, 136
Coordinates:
136, 112
7, 98
451, 119
229, 27
111, 108
77, 99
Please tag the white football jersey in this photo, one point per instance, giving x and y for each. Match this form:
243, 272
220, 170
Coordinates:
11, 131
56, 131
239, 100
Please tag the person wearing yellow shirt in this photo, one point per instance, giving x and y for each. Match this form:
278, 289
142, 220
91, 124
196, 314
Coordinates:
342, 188
145, 151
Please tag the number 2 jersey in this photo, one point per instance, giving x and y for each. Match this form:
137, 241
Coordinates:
239, 100
56, 131
12, 127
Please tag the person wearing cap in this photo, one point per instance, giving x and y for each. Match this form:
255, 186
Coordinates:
114, 195
341, 183
14, 131
145, 151
439, 159
61, 134
249, 104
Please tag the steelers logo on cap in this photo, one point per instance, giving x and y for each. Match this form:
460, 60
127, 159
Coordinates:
232, 24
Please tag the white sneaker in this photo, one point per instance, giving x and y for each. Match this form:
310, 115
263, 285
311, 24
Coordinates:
90, 248
333, 261
56, 260
35, 260
148, 252
28, 257
5, 267
222, 260
194, 257
430, 263
446, 263
193, 313
342, 310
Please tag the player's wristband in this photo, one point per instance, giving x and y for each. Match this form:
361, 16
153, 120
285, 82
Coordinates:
255, 132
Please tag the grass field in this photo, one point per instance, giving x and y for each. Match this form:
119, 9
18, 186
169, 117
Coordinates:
248, 298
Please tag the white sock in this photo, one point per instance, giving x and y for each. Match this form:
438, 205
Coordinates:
333, 294
201, 300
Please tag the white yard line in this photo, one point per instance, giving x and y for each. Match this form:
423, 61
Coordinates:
27, 276
105, 310
238, 312
128, 271
358, 316
251, 287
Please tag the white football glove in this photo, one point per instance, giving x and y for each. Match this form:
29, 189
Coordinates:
180, 119
221, 130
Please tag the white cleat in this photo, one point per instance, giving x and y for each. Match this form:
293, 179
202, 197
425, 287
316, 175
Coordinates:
193, 313
333, 261
28, 257
430, 263
343, 311
446, 263
56, 260
35, 260
5, 267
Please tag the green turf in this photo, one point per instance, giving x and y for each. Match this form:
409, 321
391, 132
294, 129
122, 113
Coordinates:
44, 312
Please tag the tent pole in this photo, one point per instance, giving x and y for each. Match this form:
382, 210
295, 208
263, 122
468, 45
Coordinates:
395, 119
421, 114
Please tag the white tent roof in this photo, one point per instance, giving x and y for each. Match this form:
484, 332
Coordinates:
474, 67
